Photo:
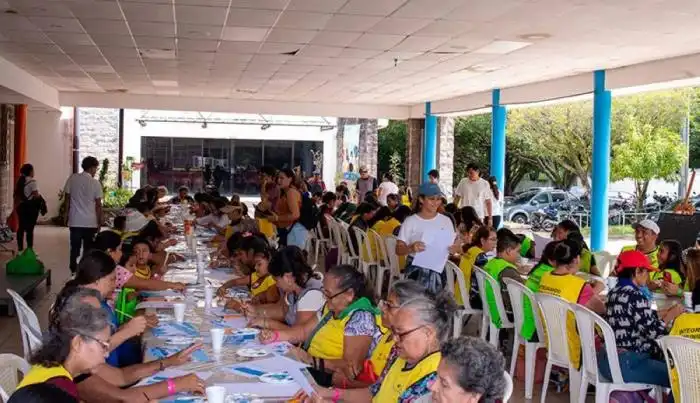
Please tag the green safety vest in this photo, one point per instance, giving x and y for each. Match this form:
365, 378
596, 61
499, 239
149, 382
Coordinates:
653, 255
533, 284
494, 268
585, 266
525, 246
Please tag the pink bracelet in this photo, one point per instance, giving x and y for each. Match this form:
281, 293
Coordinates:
171, 387
277, 336
336, 395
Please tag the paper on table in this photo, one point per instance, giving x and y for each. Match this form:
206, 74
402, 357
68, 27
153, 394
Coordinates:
302, 380
217, 275
171, 373
155, 305
262, 389
277, 363
540, 243
166, 293
436, 251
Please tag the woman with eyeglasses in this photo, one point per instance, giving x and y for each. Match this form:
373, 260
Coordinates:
77, 342
342, 334
419, 326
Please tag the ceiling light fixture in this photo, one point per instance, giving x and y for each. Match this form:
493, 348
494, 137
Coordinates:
535, 37
265, 126
501, 47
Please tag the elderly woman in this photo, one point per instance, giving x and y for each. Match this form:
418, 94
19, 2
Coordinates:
301, 286
471, 371
344, 333
419, 326
77, 343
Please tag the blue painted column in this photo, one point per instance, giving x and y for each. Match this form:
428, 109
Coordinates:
430, 138
601, 162
498, 140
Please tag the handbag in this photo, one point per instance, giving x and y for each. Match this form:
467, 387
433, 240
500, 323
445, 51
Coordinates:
25, 263
13, 220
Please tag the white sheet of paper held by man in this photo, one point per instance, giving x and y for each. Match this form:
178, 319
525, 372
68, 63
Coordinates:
437, 244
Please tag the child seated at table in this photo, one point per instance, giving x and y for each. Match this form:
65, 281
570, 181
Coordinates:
500, 267
669, 258
252, 251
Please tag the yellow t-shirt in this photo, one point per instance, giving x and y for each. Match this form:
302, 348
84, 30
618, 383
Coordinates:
40, 374
266, 227
259, 285
399, 379
143, 272
685, 325
466, 265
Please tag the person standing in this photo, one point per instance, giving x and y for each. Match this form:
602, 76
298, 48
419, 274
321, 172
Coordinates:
496, 202
83, 195
386, 188
28, 202
365, 184
475, 191
316, 184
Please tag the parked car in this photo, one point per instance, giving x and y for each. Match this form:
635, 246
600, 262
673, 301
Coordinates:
521, 207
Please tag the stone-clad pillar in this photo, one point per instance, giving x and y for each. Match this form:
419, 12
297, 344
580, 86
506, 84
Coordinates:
445, 157
414, 150
368, 143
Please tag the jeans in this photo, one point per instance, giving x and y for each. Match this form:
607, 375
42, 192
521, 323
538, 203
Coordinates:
637, 367
297, 236
80, 237
496, 221
28, 214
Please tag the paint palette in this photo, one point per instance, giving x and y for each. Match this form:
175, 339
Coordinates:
179, 340
252, 352
277, 378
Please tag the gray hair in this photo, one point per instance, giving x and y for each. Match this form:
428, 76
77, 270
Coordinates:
479, 367
75, 318
436, 311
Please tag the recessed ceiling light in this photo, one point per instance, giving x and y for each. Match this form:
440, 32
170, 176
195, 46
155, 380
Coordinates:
157, 53
535, 37
501, 47
244, 34
164, 83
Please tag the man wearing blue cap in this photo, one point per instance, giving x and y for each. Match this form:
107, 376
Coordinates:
426, 228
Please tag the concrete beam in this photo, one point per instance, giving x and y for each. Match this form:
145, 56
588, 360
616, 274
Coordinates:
18, 82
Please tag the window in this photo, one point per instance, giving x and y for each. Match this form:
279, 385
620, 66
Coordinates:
216, 169
304, 158
558, 197
247, 158
185, 153
278, 154
542, 198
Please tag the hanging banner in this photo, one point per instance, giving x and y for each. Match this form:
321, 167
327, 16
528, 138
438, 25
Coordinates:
351, 154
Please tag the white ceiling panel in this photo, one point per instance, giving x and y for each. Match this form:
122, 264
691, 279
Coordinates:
244, 17
283, 35
352, 23
399, 26
377, 41
86, 9
260, 4
69, 39
420, 43
372, 7
161, 29
322, 51
322, 6
197, 45
51, 24
108, 27
335, 38
200, 15
26, 36
148, 12
429, 8
302, 20
192, 31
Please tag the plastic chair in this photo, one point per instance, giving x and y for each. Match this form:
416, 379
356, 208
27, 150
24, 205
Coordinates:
392, 259
321, 242
605, 262
554, 311
28, 324
683, 354
366, 259
587, 321
349, 255
453, 272
508, 391
482, 278
518, 292
383, 266
10, 365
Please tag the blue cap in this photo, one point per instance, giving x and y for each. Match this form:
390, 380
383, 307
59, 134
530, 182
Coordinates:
430, 189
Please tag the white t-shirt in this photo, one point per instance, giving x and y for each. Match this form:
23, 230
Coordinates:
385, 189
474, 194
312, 301
30, 187
84, 191
413, 227
496, 204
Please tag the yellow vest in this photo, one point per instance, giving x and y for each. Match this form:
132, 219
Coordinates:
405, 201
466, 265
381, 353
329, 341
685, 325
398, 380
653, 255
266, 227
567, 287
39, 374
260, 285
143, 272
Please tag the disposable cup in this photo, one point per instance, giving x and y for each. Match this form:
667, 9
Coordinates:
216, 394
179, 311
208, 295
217, 339
688, 299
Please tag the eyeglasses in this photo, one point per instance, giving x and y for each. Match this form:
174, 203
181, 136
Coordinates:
330, 297
399, 337
104, 344
384, 304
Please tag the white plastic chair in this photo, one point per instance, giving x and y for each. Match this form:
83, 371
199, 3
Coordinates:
368, 262
320, 241
683, 354
482, 278
336, 239
587, 321
383, 266
518, 292
554, 311
392, 259
10, 366
453, 273
508, 392
30, 330
605, 262
349, 255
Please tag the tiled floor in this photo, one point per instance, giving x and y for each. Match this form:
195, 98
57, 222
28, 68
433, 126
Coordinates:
52, 246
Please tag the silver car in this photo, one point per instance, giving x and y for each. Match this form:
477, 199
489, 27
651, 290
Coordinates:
520, 208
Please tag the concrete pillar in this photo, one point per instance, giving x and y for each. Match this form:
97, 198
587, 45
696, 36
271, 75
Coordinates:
601, 163
368, 144
99, 137
7, 134
498, 140
414, 150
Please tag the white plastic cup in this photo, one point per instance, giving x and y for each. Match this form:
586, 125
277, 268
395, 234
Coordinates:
688, 299
611, 282
208, 296
179, 311
217, 339
216, 394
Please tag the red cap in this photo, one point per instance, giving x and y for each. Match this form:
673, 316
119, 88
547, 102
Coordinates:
633, 259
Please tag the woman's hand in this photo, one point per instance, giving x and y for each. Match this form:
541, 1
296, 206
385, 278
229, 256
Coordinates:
151, 320
222, 291
257, 322
177, 286
169, 242
189, 383
654, 284
301, 355
416, 247
136, 326
672, 313
234, 304
182, 357
320, 395
248, 309
670, 289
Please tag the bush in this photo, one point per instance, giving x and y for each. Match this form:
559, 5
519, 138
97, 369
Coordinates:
116, 197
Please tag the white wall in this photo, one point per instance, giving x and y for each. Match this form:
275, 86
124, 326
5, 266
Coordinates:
133, 132
49, 150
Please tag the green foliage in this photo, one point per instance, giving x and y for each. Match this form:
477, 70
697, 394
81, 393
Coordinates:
104, 170
646, 153
396, 167
116, 197
392, 140
127, 171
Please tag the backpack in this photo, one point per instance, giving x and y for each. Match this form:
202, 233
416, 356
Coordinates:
308, 215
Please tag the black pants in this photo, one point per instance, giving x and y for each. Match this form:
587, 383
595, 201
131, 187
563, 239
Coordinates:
80, 237
28, 214
496, 221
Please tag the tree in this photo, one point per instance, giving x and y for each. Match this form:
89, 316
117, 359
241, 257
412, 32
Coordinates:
392, 140
646, 153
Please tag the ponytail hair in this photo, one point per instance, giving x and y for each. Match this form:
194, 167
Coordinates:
566, 251
290, 259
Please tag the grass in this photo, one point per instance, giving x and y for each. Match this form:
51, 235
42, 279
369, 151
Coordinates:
613, 231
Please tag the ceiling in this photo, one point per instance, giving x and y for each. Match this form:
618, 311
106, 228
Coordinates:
388, 52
